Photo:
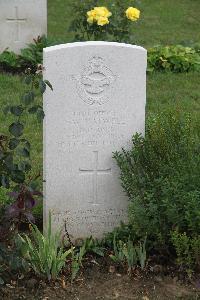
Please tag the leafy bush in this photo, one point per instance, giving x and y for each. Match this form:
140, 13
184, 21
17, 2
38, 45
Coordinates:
173, 58
117, 27
123, 232
32, 56
29, 57
160, 175
187, 250
9, 61
44, 253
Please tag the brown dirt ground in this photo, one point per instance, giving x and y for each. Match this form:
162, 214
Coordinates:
101, 283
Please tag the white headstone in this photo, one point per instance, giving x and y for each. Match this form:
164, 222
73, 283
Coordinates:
97, 104
20, 22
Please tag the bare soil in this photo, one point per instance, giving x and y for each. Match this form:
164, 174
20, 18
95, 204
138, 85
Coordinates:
104, 282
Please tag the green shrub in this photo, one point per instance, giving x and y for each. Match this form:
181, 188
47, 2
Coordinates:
174, 58
122, 232
119, 28
160, 175
187, 250
29, 57
9, 61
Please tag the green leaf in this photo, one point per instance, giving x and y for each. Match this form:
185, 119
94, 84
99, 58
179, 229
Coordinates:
24, 152
4, 180
28, 98
33, 109
49, 84
18, 176
40, 115
28, 79
16, 110
36, 84
34, 185
27, 145
16, 129
13, 143
9, 162
98, 251
24, 166
42, 86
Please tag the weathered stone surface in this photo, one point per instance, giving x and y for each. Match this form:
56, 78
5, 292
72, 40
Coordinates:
97, 104
20, 22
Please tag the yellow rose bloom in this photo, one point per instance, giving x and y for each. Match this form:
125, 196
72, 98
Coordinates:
102, 21
91, 16
132, 13
102, 11
99, 14
90, 20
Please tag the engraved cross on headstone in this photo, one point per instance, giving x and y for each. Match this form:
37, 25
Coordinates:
17, 21
95, 171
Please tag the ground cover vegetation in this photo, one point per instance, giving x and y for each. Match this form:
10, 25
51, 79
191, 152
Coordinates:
161, 177
177, 59
160, 174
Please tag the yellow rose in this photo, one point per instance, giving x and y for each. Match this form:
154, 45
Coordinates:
91, 16
102, 21
99, 14
102, 11
133, 13
90, 20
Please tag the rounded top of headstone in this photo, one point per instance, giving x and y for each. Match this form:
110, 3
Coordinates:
93, 43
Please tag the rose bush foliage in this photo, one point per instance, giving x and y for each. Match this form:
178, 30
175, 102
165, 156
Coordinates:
110, 21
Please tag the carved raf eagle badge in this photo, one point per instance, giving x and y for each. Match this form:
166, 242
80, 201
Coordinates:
94, 82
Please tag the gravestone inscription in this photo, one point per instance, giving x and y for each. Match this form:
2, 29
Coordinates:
21, 21
97, 104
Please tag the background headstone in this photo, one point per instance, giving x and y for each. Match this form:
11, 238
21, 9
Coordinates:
97, 104
20, 22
